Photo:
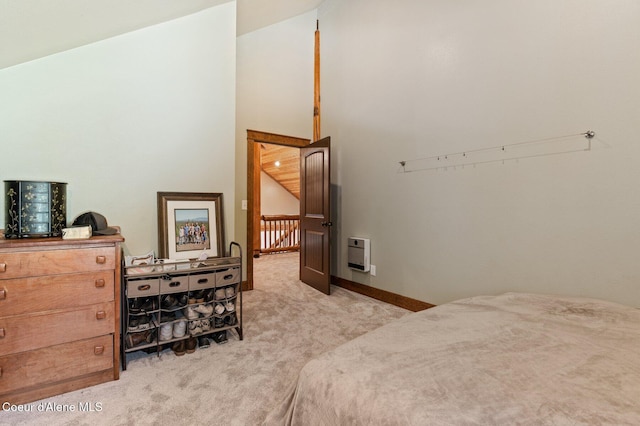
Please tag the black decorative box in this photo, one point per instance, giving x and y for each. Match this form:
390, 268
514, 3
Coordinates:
34, 209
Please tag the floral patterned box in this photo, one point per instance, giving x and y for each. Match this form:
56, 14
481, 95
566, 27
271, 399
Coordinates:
35, 209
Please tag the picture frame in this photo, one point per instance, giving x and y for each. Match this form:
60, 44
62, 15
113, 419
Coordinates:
190, 224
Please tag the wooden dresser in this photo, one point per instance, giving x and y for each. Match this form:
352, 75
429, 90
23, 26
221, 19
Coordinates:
59, 315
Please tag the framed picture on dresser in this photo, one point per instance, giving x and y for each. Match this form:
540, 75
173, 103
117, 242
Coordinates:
190, 224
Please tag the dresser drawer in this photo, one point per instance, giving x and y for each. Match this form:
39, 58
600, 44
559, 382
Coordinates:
228, 276
55, 363
174, 284
52, 262
32, 331
143, 287
202, 281
29, 295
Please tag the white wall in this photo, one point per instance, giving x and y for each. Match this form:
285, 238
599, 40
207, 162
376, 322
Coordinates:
119, 120
275, 199
274, 91
407, 79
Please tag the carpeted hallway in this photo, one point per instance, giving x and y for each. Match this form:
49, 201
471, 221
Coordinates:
286, 323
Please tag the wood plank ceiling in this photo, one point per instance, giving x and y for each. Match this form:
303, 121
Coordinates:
282, 164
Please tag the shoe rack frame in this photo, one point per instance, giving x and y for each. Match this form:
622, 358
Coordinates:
177, 282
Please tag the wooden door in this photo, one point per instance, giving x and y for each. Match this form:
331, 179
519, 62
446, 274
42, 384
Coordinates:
315, 217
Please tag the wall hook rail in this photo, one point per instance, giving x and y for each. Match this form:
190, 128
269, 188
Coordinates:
527, 149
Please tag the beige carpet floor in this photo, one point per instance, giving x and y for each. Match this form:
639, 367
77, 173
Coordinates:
286, 323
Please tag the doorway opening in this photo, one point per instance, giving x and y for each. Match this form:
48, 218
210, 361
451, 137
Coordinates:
256, 140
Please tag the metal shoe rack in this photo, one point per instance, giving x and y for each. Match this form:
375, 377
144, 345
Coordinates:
165, 303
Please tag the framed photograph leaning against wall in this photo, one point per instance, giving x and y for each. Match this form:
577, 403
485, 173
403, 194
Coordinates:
190, 223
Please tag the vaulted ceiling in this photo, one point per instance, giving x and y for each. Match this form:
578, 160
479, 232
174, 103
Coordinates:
282, 163
31, 29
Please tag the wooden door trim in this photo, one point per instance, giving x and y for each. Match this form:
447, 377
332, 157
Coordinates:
254, 138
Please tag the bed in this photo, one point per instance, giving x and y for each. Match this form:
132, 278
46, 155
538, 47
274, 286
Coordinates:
490, 360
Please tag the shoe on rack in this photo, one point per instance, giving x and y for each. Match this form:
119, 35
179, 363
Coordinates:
219, 308
220, 337
179, 328
135, 305
231, 319
151, 304
229, 292
190, 313
206, 310
144, 322
135, 339
167, 316
218, 322
205, 325
178, 348
204, 342
169, 302
166, 331
195, 327
209, 295
134, 323
182, 300
230, 307
220, 294
200, 296
191, 345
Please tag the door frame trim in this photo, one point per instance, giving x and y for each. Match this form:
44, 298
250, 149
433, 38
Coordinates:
255, 137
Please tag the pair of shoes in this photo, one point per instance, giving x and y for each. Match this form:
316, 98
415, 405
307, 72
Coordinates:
169, 302
191, 345
182, 299
198, 296
166, 331
208, 295
138, 323
218, 322
229, 292
220, 294
167, 316
178, 348
135, 305
231, 319
204, 342
151, 304
135, 339
190, 313
195, 327
220, 337
206, 310
179, 328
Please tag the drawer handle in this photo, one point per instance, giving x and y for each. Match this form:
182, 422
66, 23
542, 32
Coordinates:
100, 283
144, 287
203, 280
3, 293
228, 276
174, 284
98, 350
3, 267
101, 260
100, 315
1, 332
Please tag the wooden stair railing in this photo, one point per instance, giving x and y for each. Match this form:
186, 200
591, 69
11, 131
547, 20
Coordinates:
279, 233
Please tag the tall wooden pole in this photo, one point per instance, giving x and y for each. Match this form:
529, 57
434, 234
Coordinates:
316, 85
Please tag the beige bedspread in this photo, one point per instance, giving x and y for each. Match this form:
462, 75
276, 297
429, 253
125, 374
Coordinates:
491, 360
